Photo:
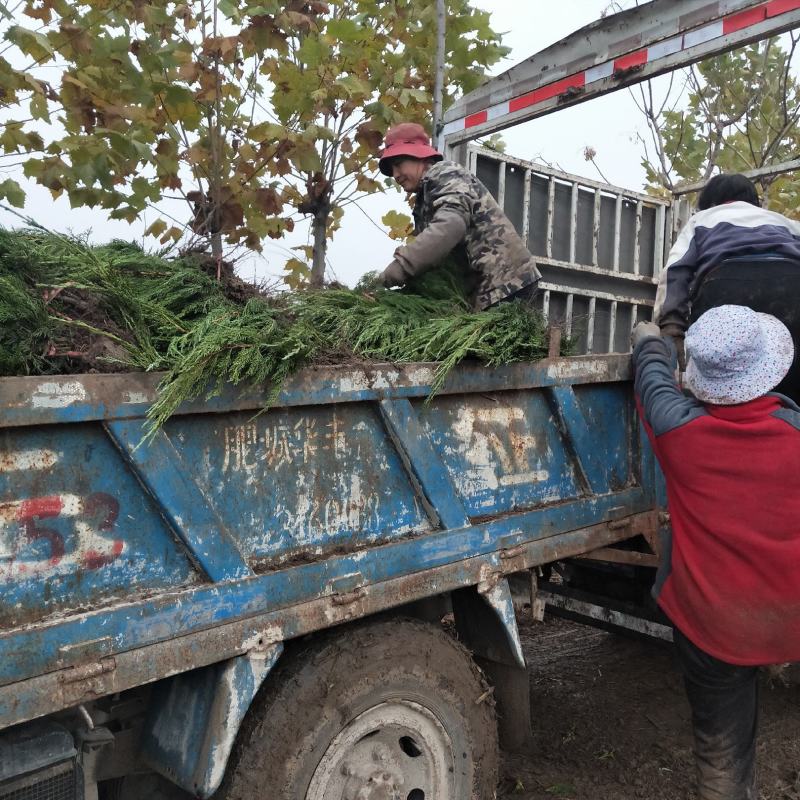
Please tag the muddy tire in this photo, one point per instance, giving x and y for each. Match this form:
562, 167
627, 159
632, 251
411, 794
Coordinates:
390, 709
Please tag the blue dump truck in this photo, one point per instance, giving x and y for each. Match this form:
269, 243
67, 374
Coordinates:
310, 602
317, 602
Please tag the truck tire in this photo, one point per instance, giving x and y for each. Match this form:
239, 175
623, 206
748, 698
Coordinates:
385, 710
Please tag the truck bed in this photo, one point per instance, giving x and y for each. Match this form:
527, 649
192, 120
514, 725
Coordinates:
122, 563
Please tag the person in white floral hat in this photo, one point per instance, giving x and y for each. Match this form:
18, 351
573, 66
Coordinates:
729, 582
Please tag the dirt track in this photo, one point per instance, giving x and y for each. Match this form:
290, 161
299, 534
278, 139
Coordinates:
611, 722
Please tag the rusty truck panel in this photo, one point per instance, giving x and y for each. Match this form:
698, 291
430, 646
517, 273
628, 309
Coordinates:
122, 562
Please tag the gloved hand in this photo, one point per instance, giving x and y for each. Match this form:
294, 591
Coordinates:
393, 275
677, 333
644, 330
681, 351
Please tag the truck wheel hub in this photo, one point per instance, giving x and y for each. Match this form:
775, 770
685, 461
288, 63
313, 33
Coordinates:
397, 750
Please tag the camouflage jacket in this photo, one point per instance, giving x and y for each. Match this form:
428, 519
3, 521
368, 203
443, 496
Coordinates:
455, 213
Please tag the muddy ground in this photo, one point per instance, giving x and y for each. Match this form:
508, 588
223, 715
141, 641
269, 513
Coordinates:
612, 723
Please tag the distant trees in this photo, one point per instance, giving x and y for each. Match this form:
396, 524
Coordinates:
741, 113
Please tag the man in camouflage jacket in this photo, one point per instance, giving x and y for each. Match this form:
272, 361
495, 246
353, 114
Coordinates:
454, 214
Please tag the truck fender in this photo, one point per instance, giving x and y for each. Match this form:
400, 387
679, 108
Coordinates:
485, 621
194, 718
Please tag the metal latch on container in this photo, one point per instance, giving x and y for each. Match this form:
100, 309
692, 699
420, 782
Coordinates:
89, 671
349, 597
513, 552
620, 521
347, 589
511, 548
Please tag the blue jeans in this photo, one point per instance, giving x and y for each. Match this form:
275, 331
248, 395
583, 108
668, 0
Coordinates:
724, 702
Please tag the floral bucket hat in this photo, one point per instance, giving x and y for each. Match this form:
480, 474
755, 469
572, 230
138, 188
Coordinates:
736, 354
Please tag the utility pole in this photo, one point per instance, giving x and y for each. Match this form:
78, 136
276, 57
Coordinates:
438, 83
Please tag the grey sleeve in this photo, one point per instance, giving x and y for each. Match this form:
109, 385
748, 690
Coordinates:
673, 314
445, 231
664, 405
671, 308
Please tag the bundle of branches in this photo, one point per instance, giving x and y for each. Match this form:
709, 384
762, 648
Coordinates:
69, 307
417, 325
66, 306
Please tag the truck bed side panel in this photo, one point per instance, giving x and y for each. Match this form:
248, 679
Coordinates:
76, 529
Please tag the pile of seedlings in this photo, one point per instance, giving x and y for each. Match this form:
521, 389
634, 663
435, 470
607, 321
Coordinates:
67, 307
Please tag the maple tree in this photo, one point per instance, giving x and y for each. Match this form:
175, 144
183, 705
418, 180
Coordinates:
251, 113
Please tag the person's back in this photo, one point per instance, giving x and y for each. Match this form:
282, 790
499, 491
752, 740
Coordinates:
493, 249
729, 223
766, 283
732, 252
733, 478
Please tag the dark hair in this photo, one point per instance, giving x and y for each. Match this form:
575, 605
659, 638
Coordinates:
725, 189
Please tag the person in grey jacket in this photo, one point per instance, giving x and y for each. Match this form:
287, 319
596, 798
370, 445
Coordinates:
732, 251
454, 214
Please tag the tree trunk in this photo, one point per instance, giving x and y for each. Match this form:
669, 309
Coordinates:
319, 230
438, 82
216, 252
216, 245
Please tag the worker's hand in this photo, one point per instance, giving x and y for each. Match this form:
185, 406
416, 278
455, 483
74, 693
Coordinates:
676, 333
644, 330
393, 275
681, 351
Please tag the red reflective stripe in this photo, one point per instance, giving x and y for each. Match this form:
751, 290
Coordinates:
730, 24
630, 60
536, 96
559, 87
40, 507
523, 101
777, 7
476, 119
744, 19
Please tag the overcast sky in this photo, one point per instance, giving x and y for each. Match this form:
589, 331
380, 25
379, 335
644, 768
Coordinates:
608, 125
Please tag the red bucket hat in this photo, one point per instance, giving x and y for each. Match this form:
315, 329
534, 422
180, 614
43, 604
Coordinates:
406, 139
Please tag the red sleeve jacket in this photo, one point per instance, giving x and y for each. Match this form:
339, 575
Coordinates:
731, 582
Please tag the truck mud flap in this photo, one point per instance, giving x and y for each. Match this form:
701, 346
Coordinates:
486, 624
196, 716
